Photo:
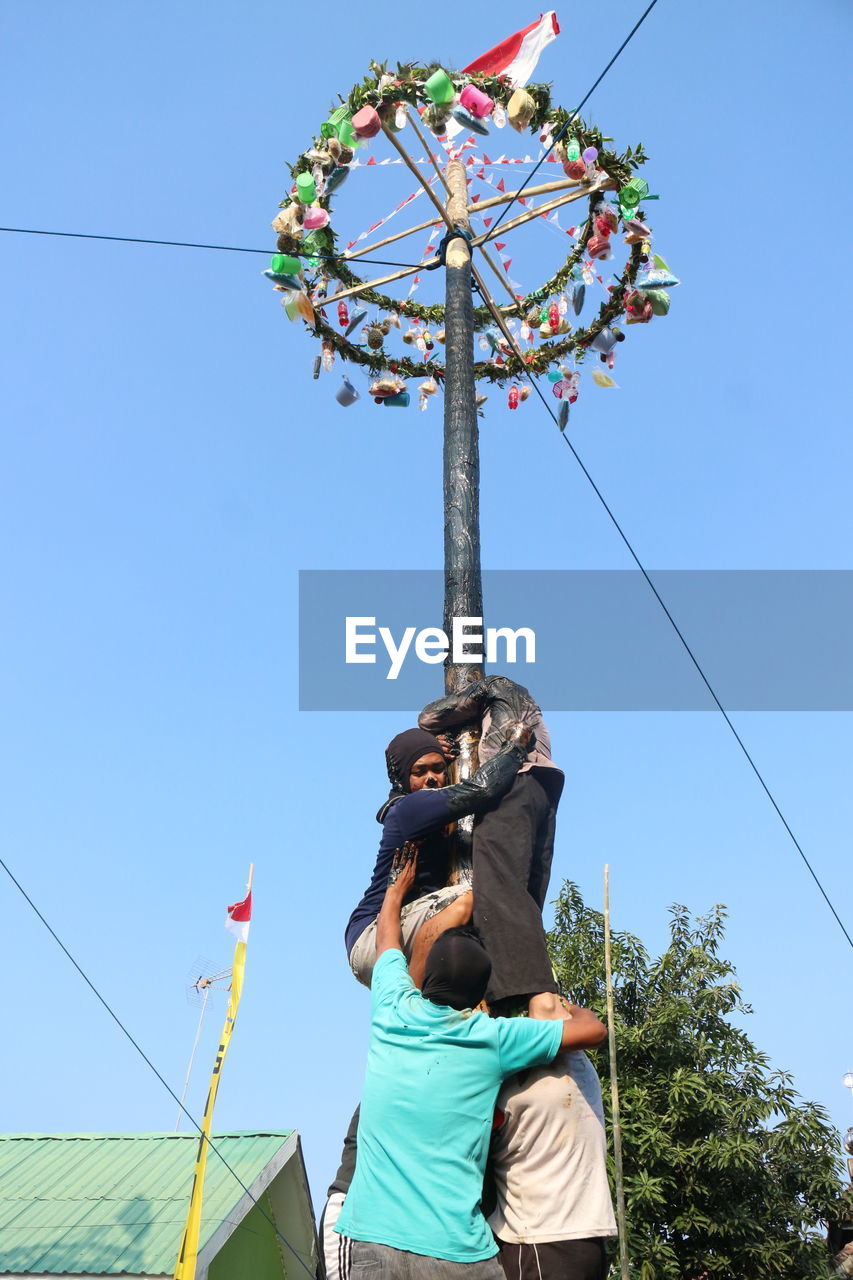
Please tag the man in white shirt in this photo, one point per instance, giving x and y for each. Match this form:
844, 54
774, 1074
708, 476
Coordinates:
549, 1162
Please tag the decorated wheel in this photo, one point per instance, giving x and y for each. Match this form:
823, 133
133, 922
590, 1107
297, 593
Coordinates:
417, 118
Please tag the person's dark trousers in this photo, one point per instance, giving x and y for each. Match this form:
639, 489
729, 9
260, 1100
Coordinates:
513, 848
381, 1262
556, 1260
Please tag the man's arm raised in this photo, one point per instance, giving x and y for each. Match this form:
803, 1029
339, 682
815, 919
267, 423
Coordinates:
400, 881
502, 697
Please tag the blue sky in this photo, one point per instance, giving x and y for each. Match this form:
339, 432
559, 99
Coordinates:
169, 466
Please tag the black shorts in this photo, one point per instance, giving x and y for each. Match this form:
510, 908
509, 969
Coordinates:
555, 1260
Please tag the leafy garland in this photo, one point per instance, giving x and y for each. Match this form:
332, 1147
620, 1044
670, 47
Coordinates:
384, 90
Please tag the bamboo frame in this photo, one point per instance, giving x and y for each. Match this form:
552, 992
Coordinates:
503, 197
624, 1263
529, 214
477, 242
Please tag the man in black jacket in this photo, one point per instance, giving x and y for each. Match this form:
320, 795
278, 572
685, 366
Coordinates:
513, 843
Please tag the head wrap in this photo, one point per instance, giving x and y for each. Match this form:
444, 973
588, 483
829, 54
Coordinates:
402, 752
457, 969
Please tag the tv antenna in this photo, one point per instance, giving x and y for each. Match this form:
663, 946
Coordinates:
198, 991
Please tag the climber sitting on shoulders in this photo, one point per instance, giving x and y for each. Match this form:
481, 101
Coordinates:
419, 808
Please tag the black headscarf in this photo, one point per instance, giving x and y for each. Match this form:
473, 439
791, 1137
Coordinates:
457, 969
402, 752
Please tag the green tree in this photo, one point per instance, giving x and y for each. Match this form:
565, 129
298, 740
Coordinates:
728, 1174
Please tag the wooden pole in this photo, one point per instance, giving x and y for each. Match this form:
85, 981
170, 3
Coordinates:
614, 1089
463, 588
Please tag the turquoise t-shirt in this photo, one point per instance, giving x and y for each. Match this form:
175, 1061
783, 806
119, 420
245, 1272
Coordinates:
426, 1115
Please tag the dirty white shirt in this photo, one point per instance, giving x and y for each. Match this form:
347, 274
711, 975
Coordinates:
549, 1155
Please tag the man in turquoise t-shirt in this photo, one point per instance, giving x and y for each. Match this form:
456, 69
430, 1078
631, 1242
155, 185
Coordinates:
433, 1072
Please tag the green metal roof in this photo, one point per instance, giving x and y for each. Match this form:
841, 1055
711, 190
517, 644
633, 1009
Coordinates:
114, 1203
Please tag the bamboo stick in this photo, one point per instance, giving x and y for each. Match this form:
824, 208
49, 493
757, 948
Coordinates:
410, 164
614, 1087
400, 235
529, 214
496, 311
504, 197
374, 284
431, 157
504, 282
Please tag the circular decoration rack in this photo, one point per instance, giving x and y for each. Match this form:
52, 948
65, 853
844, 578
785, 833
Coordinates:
532, 333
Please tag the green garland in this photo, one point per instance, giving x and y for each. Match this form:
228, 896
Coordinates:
407, 88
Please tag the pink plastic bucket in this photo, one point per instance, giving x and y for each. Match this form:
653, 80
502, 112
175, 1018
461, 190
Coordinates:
475, 101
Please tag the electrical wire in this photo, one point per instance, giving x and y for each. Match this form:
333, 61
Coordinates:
117, 1020
690, 654
188, 244
572, 118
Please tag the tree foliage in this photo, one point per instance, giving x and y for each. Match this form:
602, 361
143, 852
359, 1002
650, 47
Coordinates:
728, 1174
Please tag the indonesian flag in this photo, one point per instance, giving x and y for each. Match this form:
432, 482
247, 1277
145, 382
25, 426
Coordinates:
238, 917
517, 56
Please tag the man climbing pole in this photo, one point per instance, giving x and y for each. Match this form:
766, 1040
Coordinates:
513, 843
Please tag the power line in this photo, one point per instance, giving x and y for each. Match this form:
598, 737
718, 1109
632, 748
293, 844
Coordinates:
117, 1020
690, 654
571, 119
189, 244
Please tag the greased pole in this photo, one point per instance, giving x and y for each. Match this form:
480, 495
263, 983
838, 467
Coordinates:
463, 586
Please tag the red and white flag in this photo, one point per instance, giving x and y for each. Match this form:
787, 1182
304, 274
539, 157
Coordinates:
238, 917
517, 56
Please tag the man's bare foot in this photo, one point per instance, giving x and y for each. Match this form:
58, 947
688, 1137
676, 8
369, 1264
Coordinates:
548, 1005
